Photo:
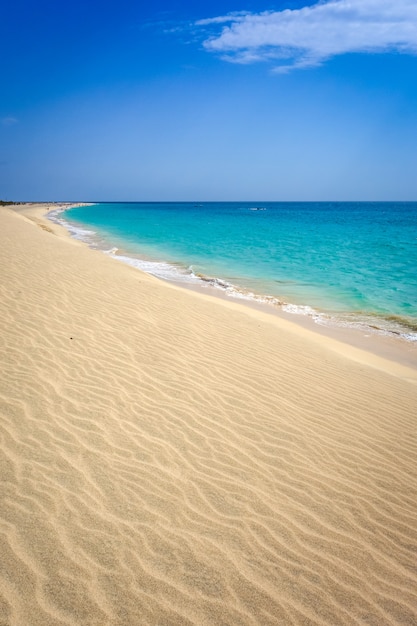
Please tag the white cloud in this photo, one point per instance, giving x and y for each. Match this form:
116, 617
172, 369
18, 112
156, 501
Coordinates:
306, 37
222, 19
8, 121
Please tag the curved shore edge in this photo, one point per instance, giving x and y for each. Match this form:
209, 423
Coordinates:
382, 335
172, 458
398, 326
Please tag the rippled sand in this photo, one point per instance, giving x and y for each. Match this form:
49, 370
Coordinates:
167, 458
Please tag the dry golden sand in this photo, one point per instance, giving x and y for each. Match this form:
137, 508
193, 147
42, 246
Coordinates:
169, 458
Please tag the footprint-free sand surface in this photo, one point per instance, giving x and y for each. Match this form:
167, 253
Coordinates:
170, 458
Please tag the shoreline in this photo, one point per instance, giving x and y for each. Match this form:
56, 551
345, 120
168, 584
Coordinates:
377, 343
170, 457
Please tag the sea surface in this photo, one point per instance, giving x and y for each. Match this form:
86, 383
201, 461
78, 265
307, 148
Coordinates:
342, 263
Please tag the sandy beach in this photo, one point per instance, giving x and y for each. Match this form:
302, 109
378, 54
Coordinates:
171, 458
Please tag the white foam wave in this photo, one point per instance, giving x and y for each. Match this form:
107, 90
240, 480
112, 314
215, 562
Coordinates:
366, 325
160, 269
232, 290
82, 234
297, 309
410, 337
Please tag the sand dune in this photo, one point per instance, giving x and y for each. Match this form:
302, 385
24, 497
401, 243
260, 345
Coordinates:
168, 458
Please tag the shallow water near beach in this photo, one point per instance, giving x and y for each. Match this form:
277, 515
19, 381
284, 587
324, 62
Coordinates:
349, 264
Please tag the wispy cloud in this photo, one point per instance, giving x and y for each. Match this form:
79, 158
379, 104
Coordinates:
235, 15
307, 37
8, 121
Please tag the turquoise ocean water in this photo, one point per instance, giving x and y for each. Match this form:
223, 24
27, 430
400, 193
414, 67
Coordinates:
351, 264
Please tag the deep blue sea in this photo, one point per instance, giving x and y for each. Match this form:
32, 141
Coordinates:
343, 263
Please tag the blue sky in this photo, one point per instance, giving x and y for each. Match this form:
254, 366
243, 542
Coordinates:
231, 100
